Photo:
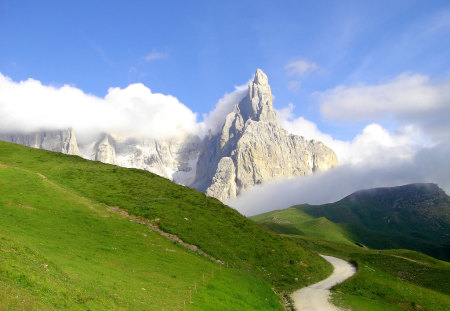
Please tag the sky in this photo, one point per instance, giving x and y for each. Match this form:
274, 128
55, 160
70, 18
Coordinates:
369, 78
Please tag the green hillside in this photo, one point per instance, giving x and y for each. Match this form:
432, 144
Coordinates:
295, 221
64, 247
387, 280
415, 216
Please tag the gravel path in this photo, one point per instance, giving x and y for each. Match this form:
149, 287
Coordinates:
315, 297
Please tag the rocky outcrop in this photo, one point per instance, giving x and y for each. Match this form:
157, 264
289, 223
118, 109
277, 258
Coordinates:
175, 159
223, 184
105, 151
59, 141
252, 148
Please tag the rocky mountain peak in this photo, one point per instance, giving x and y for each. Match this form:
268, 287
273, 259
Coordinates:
253, 148
257, 105
260, 78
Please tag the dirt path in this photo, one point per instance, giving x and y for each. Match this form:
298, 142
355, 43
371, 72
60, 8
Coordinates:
315, 297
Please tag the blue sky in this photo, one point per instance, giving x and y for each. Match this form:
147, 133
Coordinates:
198, 50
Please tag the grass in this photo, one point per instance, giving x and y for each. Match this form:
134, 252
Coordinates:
63, 251
394, 279
415, 216
349, 222
68, 250
294, 221
197, 219
388, 279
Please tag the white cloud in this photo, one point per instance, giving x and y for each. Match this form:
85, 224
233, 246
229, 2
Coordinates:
427, 165
406, 94
135, 110
155, 56
409, 99
214, 120
374, 143
293, 85
300, 68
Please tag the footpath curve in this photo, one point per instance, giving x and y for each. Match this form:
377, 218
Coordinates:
316, 297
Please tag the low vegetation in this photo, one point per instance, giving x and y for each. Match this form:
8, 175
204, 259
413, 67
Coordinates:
63, 247
387, 280
63, 251
414, 216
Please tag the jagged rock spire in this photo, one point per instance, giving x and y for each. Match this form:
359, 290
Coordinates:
257, 105
253, 148
260, 78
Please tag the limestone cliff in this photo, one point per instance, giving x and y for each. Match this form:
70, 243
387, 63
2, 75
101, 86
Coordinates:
58, 140
174, 159
252, 148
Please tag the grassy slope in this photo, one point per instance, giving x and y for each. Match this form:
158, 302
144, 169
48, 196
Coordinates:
415, 216
317, 221
60, 250
386, 280
390, 280
197, 219
294, 221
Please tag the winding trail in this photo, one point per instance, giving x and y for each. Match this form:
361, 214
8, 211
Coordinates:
315, 297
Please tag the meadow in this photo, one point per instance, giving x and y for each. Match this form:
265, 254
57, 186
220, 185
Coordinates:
65, 246
386, 280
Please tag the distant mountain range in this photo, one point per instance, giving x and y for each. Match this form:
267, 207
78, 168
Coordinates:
414, 216
249, 149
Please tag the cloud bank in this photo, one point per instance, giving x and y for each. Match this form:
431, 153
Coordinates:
409, 98
134, 111
374, 143
427, 165
28, 106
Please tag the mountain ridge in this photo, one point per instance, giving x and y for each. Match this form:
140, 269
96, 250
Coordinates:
251, 148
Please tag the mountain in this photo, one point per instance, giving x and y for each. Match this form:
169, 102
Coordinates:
414, 216
253, 148
250, 148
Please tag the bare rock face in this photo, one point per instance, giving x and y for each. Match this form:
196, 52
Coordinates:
252, 148
224, 180
175, 159
105, 151
63, 141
